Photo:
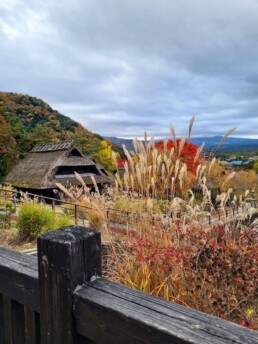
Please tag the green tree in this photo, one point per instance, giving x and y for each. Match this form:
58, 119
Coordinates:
42, 134
256, 166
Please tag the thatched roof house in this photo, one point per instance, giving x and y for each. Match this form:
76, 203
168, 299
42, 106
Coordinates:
49, 164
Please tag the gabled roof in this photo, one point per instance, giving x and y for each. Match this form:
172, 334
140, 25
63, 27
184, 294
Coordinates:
37, 170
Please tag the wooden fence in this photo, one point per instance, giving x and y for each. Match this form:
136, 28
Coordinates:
60, 298
115, 218
77, 211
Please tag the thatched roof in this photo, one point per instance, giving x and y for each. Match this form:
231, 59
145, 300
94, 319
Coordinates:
46, 165
77, 161
53, 147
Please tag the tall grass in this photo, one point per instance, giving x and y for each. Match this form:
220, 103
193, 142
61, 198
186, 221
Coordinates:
171, 252
214, 271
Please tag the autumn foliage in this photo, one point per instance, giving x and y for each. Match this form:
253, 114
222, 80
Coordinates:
121, 162
7, 142
187, 154
26, 121
212, 271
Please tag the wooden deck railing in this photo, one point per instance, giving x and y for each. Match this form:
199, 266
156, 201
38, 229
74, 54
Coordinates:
60, 298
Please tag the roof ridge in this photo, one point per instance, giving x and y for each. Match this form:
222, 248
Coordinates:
50, 147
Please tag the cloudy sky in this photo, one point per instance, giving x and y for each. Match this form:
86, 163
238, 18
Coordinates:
121, 67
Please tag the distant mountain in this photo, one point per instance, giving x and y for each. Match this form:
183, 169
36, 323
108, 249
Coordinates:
230, 143
211, 143
120, 142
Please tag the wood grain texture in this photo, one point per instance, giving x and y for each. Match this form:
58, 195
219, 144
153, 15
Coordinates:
18, 322
19, 277
32, 326
1, 319
107, 312
7, 310
67, 258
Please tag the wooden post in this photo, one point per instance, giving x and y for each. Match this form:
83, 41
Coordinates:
67, 258
76, 214
53, 205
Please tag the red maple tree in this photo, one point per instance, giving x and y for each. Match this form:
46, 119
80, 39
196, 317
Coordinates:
121, 162
187, 154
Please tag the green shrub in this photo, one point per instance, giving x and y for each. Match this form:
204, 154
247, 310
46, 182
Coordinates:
36, 218
96, 219
62, 221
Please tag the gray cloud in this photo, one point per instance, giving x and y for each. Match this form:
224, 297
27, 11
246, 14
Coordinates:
123, 67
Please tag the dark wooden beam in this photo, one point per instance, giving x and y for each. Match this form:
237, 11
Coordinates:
19, 278
67, 258
107, 312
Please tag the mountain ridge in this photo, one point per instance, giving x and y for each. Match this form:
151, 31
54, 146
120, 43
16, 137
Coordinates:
229, 144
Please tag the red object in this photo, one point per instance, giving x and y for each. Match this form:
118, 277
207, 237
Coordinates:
246, 324
121, 162
187, 155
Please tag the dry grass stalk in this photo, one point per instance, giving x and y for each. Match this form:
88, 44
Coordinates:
228, 133
65, 191
190, 127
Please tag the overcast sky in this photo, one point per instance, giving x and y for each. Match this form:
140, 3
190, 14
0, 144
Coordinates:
121, 67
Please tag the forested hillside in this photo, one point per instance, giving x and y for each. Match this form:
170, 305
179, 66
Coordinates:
26, 121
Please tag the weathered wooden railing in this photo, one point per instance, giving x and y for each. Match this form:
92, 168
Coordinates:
60, 298
77, 211
121, 219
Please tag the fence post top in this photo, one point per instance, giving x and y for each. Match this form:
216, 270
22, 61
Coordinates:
68, 258
69, 234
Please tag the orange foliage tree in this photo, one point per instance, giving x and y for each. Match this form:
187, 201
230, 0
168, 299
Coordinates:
7, 142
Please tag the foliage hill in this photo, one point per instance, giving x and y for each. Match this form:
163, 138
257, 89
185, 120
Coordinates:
26, 121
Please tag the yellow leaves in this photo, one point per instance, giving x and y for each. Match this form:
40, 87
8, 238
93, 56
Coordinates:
250, 312
241, 181
107, 157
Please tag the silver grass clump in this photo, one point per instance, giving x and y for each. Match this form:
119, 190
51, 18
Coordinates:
199, 151
152, 171
173, 133
80, 180
228, 133
190, 127
95, 185
65, 191
211, 165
